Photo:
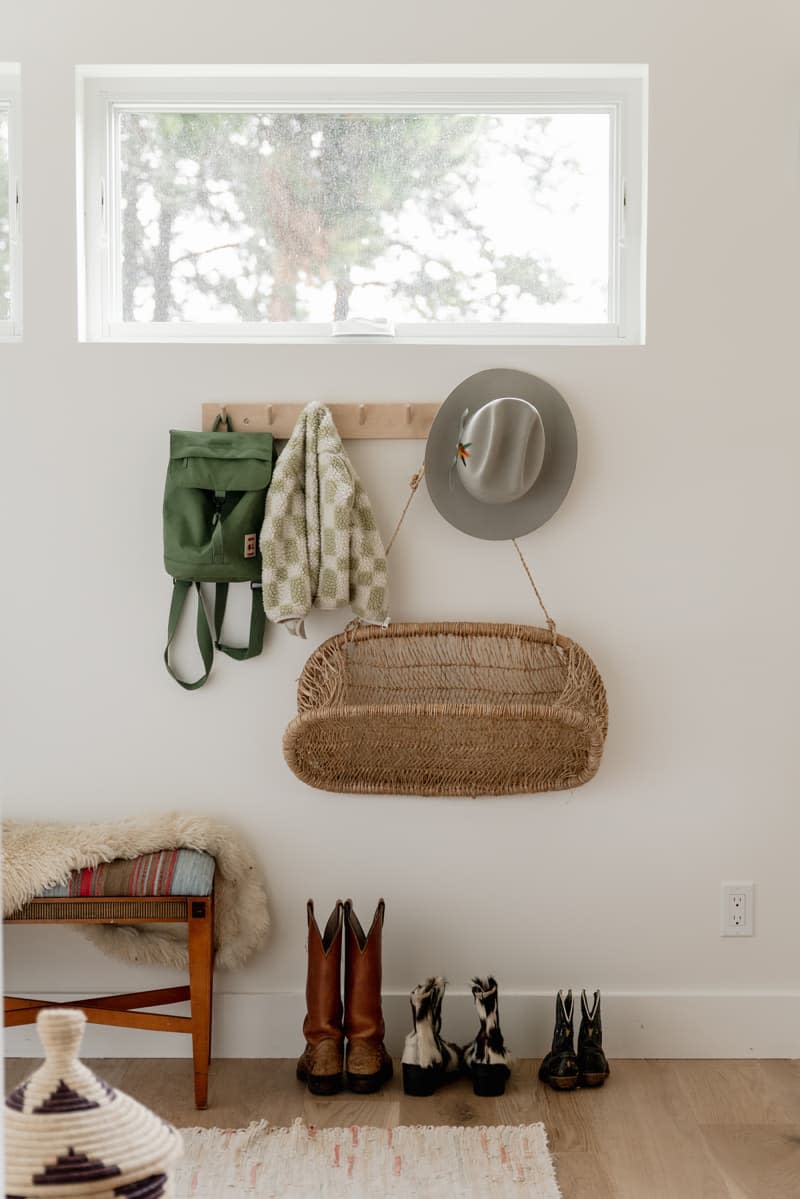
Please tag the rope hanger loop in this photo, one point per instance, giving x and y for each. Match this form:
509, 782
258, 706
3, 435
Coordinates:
414, 483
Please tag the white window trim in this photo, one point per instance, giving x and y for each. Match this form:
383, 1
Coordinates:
11, 329
103, 91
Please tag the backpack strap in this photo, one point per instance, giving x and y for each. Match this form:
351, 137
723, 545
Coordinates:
180, 593
257, 620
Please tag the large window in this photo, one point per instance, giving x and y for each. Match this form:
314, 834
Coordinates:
10, 199
415, 206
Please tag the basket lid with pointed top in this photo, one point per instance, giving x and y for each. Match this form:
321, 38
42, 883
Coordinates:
69, 1134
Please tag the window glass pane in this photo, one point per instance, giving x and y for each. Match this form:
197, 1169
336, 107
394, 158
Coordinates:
259, 216
5, 256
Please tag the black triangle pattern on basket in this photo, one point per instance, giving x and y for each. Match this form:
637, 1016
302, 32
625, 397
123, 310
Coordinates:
16, 1099
72, 1167
148, 1188
63, 1099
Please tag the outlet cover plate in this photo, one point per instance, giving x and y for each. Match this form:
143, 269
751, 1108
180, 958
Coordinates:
737, 910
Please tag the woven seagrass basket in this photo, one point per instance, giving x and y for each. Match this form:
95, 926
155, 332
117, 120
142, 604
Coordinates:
448, 709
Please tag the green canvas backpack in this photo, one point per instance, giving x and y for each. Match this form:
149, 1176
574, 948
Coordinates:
213, 511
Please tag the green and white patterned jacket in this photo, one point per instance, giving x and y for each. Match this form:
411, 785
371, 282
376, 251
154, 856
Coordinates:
320, 544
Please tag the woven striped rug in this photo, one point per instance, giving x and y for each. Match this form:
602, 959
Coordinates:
366, 1163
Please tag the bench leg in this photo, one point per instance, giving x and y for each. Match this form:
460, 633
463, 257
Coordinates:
201, 985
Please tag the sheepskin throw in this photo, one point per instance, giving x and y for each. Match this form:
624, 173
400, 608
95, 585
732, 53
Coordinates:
38, 856
319, 541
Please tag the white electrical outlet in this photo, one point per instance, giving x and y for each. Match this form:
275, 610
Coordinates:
737, 910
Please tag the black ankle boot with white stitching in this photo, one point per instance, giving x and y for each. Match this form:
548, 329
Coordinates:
559, 1069
487, 1059
592, 1062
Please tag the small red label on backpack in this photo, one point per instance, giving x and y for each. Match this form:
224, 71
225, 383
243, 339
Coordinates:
249, 545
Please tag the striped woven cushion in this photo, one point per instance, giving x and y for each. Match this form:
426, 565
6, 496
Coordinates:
168, 872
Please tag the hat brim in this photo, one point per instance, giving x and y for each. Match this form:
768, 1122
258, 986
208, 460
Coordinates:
500, 522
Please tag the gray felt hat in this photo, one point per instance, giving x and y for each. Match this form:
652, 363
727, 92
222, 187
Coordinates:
501, 454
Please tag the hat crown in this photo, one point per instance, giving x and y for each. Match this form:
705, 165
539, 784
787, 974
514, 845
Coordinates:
502, 448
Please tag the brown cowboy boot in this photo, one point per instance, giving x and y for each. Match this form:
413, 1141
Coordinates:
368, 1065
320, 1067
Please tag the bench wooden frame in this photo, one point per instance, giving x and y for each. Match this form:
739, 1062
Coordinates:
196, 911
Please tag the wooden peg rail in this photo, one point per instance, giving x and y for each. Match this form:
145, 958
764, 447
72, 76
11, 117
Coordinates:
363, 421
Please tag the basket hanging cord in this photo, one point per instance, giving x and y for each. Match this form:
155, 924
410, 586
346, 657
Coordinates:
551, 624
356, 623
414, 483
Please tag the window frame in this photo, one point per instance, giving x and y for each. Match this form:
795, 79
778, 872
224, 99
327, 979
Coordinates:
10, 96
103, 91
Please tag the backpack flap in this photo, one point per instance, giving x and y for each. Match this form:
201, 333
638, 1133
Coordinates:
221, 461
232, 447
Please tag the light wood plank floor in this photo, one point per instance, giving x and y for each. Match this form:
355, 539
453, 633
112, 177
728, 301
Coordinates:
656, 1130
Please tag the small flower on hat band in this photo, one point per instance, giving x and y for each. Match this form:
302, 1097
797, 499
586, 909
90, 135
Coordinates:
462, 448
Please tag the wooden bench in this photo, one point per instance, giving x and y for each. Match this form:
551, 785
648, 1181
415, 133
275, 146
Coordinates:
123, 1011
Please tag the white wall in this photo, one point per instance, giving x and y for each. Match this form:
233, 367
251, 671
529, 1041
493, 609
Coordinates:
674, 560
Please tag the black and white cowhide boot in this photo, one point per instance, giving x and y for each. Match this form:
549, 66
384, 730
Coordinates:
487, 1058
428, 1060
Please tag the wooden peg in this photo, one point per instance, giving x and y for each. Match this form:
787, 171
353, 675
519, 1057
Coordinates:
269, 414
362, 414
409, 414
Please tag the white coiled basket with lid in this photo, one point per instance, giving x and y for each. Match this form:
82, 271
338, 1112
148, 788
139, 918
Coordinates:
68, 1133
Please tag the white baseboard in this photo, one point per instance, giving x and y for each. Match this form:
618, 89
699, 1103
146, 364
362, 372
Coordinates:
678, 1025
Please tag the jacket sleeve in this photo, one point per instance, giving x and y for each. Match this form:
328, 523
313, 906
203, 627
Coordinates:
285, 574
353, 560
336, 494
369, 584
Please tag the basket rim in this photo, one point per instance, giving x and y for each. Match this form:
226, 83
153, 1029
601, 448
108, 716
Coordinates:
432, 628
573, 717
